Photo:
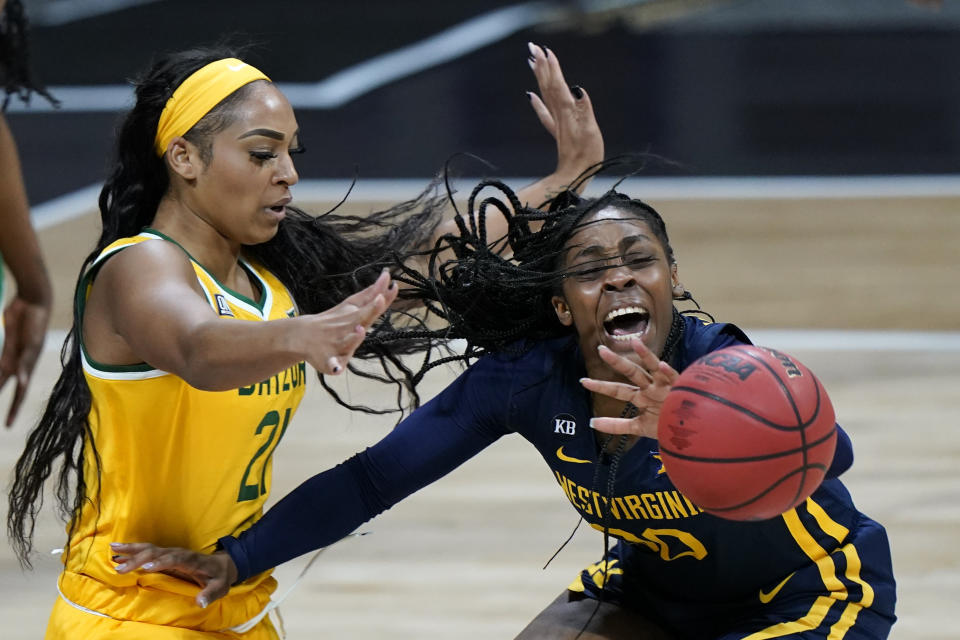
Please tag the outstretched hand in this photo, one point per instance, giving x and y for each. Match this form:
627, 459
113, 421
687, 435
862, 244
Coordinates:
25, 327
213, 573
341, 329
566, 113
650, 382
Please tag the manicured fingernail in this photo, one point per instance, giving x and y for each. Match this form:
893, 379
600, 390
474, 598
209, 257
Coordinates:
202, 602
591, 424
531, 64
121, 568
533, 48
577, 91
148, 566
116, 545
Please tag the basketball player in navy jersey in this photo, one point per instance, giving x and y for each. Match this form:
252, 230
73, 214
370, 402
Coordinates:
604, 282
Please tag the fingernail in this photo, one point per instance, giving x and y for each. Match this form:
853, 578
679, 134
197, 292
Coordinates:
530, 63
533, 48
121, 568
591, 424
116, 545
577, 91
202, 602
530, 95
148, 566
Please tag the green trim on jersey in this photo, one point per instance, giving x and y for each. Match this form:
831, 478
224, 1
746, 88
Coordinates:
81, 302
258, 305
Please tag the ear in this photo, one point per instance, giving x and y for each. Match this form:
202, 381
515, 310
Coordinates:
679, 292
183, 158
563, 310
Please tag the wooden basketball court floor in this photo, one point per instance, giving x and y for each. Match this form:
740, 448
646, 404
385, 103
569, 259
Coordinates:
463, 557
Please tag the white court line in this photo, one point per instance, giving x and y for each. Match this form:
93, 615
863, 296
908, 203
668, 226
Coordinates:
75, 204
786, 339
671, 188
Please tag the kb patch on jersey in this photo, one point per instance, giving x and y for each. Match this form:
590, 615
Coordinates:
222, 307
564, 426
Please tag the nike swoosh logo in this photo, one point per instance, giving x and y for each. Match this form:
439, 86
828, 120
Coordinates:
767, 597
236, 67
567, 458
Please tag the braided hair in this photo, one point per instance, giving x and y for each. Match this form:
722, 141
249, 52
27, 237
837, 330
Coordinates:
494, 293
16, 73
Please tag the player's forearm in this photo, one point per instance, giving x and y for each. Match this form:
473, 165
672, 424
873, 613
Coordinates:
319, 512
545, 189
225, 354
18, 243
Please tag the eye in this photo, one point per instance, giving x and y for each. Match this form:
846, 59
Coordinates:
297, 150
637, 259
262, 156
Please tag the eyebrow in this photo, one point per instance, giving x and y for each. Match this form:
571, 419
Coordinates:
597, 250
267, 133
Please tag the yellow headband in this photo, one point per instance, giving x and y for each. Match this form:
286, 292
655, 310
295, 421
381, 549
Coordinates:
198, 94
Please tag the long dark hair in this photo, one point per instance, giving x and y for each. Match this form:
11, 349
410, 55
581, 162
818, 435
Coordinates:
494, 294
16, 73
320, 260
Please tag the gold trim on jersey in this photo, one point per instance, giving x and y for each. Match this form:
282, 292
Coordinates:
828, 573
814, 618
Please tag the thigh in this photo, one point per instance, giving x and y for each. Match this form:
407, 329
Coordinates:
567, 617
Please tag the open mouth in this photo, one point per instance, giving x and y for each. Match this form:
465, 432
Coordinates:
626, 323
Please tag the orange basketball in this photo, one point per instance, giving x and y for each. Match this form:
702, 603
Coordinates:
747, 433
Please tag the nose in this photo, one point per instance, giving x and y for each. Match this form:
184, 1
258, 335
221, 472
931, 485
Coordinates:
619, 278
286, 172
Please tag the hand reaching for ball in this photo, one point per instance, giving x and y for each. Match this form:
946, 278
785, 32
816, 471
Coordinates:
650, 382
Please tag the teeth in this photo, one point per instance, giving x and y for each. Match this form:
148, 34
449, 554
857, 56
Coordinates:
616, 313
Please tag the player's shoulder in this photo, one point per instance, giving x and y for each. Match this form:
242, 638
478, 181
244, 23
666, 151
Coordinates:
529, 362
140, 261
701, 336
140, 251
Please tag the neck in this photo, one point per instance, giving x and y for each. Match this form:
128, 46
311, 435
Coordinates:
190, 228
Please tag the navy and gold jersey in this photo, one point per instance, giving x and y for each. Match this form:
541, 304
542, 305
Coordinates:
816, 568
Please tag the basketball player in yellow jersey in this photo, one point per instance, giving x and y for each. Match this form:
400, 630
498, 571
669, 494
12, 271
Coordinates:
171, 433
192, 355
183, 370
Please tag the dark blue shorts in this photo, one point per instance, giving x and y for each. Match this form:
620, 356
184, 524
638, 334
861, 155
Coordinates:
858, 605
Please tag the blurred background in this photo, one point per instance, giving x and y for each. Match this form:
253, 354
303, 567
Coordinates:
722, 87
812, 195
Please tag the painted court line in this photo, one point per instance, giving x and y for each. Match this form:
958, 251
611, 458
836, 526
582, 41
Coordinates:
77, 203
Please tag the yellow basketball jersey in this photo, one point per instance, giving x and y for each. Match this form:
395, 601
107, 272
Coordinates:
178, 467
